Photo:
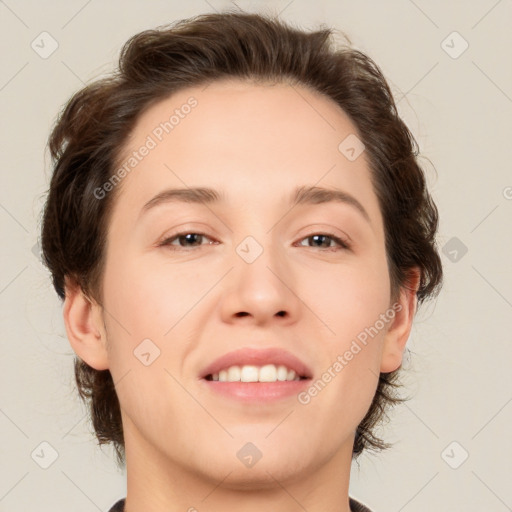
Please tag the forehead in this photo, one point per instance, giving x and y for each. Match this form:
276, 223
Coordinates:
254, 142
227, 111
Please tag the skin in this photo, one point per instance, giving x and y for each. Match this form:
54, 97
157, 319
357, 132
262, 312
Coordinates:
256, 143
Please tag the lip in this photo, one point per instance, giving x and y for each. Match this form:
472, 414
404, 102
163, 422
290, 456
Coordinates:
256, 392
258, 357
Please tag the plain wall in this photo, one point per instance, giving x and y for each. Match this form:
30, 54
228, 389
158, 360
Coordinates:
459, 108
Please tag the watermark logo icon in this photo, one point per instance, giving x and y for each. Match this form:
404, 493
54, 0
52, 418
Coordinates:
44, 455
146, 352
249, 454
454, 455
454, 45
249, 249
351, 147
44, 45
454, 249
36, 251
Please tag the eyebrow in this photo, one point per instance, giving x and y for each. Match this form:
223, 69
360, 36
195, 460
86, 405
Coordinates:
300, 196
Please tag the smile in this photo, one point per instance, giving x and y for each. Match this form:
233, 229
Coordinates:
251, 373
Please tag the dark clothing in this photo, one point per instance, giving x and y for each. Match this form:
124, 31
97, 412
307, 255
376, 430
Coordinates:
355, 506
118, 507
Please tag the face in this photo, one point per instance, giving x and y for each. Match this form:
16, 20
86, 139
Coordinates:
186, 282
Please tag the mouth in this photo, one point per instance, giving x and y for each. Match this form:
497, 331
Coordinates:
253, 373
261, 375
257, 365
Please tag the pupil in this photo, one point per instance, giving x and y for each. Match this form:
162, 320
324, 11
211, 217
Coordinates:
188, 237
316, 237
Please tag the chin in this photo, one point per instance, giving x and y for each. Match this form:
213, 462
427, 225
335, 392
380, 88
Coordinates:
263, 475
256, 464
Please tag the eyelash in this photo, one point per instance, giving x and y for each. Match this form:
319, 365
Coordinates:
344, 244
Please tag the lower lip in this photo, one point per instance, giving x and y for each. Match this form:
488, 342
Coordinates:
257, 391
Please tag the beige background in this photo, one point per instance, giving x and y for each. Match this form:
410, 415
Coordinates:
459, 371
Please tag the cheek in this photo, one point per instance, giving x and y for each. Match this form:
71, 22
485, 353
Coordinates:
350, 306
144, 308
150, 300
349, 298
152, 399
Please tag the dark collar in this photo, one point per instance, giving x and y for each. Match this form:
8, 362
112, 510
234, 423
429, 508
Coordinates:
355, 506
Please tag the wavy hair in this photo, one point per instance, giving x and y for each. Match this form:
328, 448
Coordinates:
90, 131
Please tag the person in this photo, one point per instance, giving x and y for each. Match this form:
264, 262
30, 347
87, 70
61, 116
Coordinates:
241, 234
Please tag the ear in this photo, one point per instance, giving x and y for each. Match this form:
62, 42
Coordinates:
84, 327
398, 333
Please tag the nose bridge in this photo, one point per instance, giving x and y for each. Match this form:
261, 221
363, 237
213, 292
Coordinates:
261, 280
258, 261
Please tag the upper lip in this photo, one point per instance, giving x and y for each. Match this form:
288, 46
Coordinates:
258, 357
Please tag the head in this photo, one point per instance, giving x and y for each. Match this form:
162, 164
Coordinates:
254, 109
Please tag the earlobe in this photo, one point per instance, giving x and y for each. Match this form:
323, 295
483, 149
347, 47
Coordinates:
398, 333
84, 327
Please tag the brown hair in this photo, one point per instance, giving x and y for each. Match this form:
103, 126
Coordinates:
92, 128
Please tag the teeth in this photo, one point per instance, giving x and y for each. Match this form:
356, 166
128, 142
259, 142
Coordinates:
282, 373
233, 374
268, 373
249, 373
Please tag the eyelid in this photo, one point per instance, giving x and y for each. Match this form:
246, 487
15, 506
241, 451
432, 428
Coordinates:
344, 242
322, 229
186, 228
167, 239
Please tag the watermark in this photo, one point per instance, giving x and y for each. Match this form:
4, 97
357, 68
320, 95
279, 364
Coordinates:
342, 360
249, 455
44, 455
454, 455
44, 45
507, 192
146, 352
454, 249
351, 147
249, 249
454, 45
152, 140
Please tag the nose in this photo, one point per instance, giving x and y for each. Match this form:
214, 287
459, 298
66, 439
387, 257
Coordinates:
260, 291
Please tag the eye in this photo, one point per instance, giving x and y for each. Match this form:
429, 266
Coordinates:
193, 240
325, 239
185, 239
